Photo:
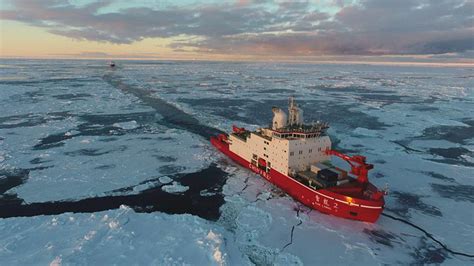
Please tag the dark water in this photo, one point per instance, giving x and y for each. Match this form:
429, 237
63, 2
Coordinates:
173, 116
153, 199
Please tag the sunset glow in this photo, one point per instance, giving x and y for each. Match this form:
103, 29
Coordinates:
411, 32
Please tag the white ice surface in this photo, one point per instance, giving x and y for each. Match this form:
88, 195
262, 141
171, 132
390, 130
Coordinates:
125, 162
118, 237
175, 187
126, 125
256, 219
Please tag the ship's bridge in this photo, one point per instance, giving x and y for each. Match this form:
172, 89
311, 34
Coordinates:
315, 130
291, 126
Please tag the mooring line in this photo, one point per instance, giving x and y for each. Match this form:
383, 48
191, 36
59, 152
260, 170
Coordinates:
429, 235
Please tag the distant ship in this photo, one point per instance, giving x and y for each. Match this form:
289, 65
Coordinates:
296, 158
112, 64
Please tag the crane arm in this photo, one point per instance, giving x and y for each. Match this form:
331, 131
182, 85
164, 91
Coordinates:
358, 165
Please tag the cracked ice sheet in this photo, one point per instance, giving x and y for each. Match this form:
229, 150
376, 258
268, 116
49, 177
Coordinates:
261, 219
86, 166
408, 173
249, 222
340, 87
409, 90
37, 96
449, 98
91, 158
120, 237
393, 96
404, 172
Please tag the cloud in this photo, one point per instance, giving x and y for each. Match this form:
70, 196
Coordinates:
369, 27
103, 55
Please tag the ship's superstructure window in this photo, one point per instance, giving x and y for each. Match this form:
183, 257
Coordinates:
292, 153
300, 152
310, 151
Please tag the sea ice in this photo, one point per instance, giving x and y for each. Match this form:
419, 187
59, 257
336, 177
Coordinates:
79, 136
175, 187
127, 125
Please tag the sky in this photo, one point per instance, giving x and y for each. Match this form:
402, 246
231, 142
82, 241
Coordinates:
350, 30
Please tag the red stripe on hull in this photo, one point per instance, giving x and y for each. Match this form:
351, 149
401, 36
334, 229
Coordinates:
322, 200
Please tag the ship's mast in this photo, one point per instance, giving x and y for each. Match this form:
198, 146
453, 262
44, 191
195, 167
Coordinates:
295, 117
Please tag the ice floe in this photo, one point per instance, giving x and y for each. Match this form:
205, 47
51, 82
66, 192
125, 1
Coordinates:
82, 133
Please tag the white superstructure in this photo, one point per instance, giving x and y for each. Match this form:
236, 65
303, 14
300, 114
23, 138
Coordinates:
288, 146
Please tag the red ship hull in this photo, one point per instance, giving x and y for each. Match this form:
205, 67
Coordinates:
323, 200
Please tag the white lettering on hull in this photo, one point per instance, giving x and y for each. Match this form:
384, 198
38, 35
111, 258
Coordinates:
325, 203
321, 200
259, 171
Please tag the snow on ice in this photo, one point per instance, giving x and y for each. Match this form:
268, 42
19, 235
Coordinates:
88, 130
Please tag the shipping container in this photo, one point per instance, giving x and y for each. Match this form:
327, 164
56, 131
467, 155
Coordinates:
327, 175
317, 167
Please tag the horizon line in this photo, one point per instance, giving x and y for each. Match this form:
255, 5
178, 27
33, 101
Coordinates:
256, 60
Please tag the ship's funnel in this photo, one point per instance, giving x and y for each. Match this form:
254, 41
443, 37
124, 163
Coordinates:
279, 118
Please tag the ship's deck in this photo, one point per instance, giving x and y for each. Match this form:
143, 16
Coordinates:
351, 188
262, 135
242, 135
